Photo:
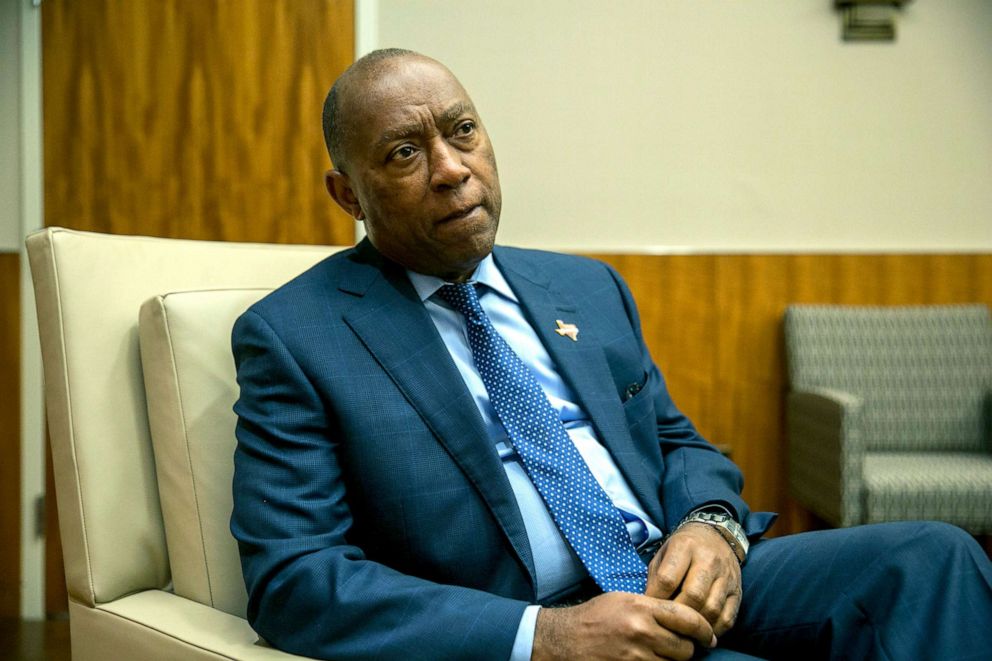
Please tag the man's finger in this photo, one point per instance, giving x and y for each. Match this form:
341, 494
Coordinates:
669, 645
667, 570
728, 618
712, 607
682, 620
698, 586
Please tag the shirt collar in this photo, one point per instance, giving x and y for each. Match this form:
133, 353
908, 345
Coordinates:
486, 273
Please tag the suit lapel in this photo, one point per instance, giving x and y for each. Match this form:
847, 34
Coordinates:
393, 324
583, 365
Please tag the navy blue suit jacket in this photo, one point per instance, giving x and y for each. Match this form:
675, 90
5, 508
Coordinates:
373, 515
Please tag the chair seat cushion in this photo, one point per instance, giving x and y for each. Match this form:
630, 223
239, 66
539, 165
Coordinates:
955, 487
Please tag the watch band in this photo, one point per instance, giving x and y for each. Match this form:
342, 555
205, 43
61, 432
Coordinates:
730, 530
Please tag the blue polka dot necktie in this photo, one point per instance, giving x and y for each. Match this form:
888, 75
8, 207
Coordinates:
583, 512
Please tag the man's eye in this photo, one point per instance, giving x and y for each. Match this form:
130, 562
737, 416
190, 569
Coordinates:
401, 153
465, 128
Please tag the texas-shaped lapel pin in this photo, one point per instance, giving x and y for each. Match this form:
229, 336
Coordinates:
571, 331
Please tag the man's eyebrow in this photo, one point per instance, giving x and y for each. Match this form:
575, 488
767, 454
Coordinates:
457, 110
398, 133
449, 116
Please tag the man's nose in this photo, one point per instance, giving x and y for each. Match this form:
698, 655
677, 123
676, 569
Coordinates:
448, 170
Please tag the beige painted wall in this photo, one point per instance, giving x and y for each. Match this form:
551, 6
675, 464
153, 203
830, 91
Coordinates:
724, 125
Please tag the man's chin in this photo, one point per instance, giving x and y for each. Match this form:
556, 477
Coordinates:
457, 262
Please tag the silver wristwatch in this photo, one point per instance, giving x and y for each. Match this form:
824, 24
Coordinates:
723, 523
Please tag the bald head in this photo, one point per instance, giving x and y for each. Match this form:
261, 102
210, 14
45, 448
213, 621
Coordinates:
351, 87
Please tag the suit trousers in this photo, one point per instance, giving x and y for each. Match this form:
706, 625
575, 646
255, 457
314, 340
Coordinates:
890, 591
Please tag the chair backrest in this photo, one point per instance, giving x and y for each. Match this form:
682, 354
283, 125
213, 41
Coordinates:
191, 386
924, 373
88, 290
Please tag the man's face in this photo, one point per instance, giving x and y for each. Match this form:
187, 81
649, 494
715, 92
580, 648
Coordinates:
420, 169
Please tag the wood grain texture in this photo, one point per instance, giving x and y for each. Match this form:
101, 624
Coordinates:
714, 325
193, 119
10, 435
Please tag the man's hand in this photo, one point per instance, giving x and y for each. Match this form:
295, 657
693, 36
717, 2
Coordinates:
617, 625
699, 568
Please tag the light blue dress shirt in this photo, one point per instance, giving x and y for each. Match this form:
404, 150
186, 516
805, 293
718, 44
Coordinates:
557, 567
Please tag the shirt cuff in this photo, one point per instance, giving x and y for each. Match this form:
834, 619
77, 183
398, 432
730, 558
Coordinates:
523, 644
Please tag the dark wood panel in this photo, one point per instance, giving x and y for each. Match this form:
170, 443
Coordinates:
713, 324
193, 119
10, 435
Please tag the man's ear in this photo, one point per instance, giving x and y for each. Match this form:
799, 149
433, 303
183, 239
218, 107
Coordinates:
339, 187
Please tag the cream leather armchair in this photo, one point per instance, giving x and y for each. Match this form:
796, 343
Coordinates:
143, 457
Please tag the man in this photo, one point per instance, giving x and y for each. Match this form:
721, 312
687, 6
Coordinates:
448, 450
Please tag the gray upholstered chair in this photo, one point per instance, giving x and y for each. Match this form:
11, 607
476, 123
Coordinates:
890, 412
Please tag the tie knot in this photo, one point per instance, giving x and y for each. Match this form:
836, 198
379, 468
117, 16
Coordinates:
463, 297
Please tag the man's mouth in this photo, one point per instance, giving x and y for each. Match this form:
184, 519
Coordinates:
458, 214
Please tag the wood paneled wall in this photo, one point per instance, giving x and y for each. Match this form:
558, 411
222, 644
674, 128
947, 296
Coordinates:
10, 435
714, 326
193, 119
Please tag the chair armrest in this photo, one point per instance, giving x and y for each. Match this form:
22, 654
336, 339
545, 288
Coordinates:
826, 453
155, 625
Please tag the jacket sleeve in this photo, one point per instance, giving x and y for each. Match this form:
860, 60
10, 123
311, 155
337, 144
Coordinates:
310, 591
695, 473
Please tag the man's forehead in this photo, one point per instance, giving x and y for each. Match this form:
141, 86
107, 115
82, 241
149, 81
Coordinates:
441, 113
413, 81
408, 92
